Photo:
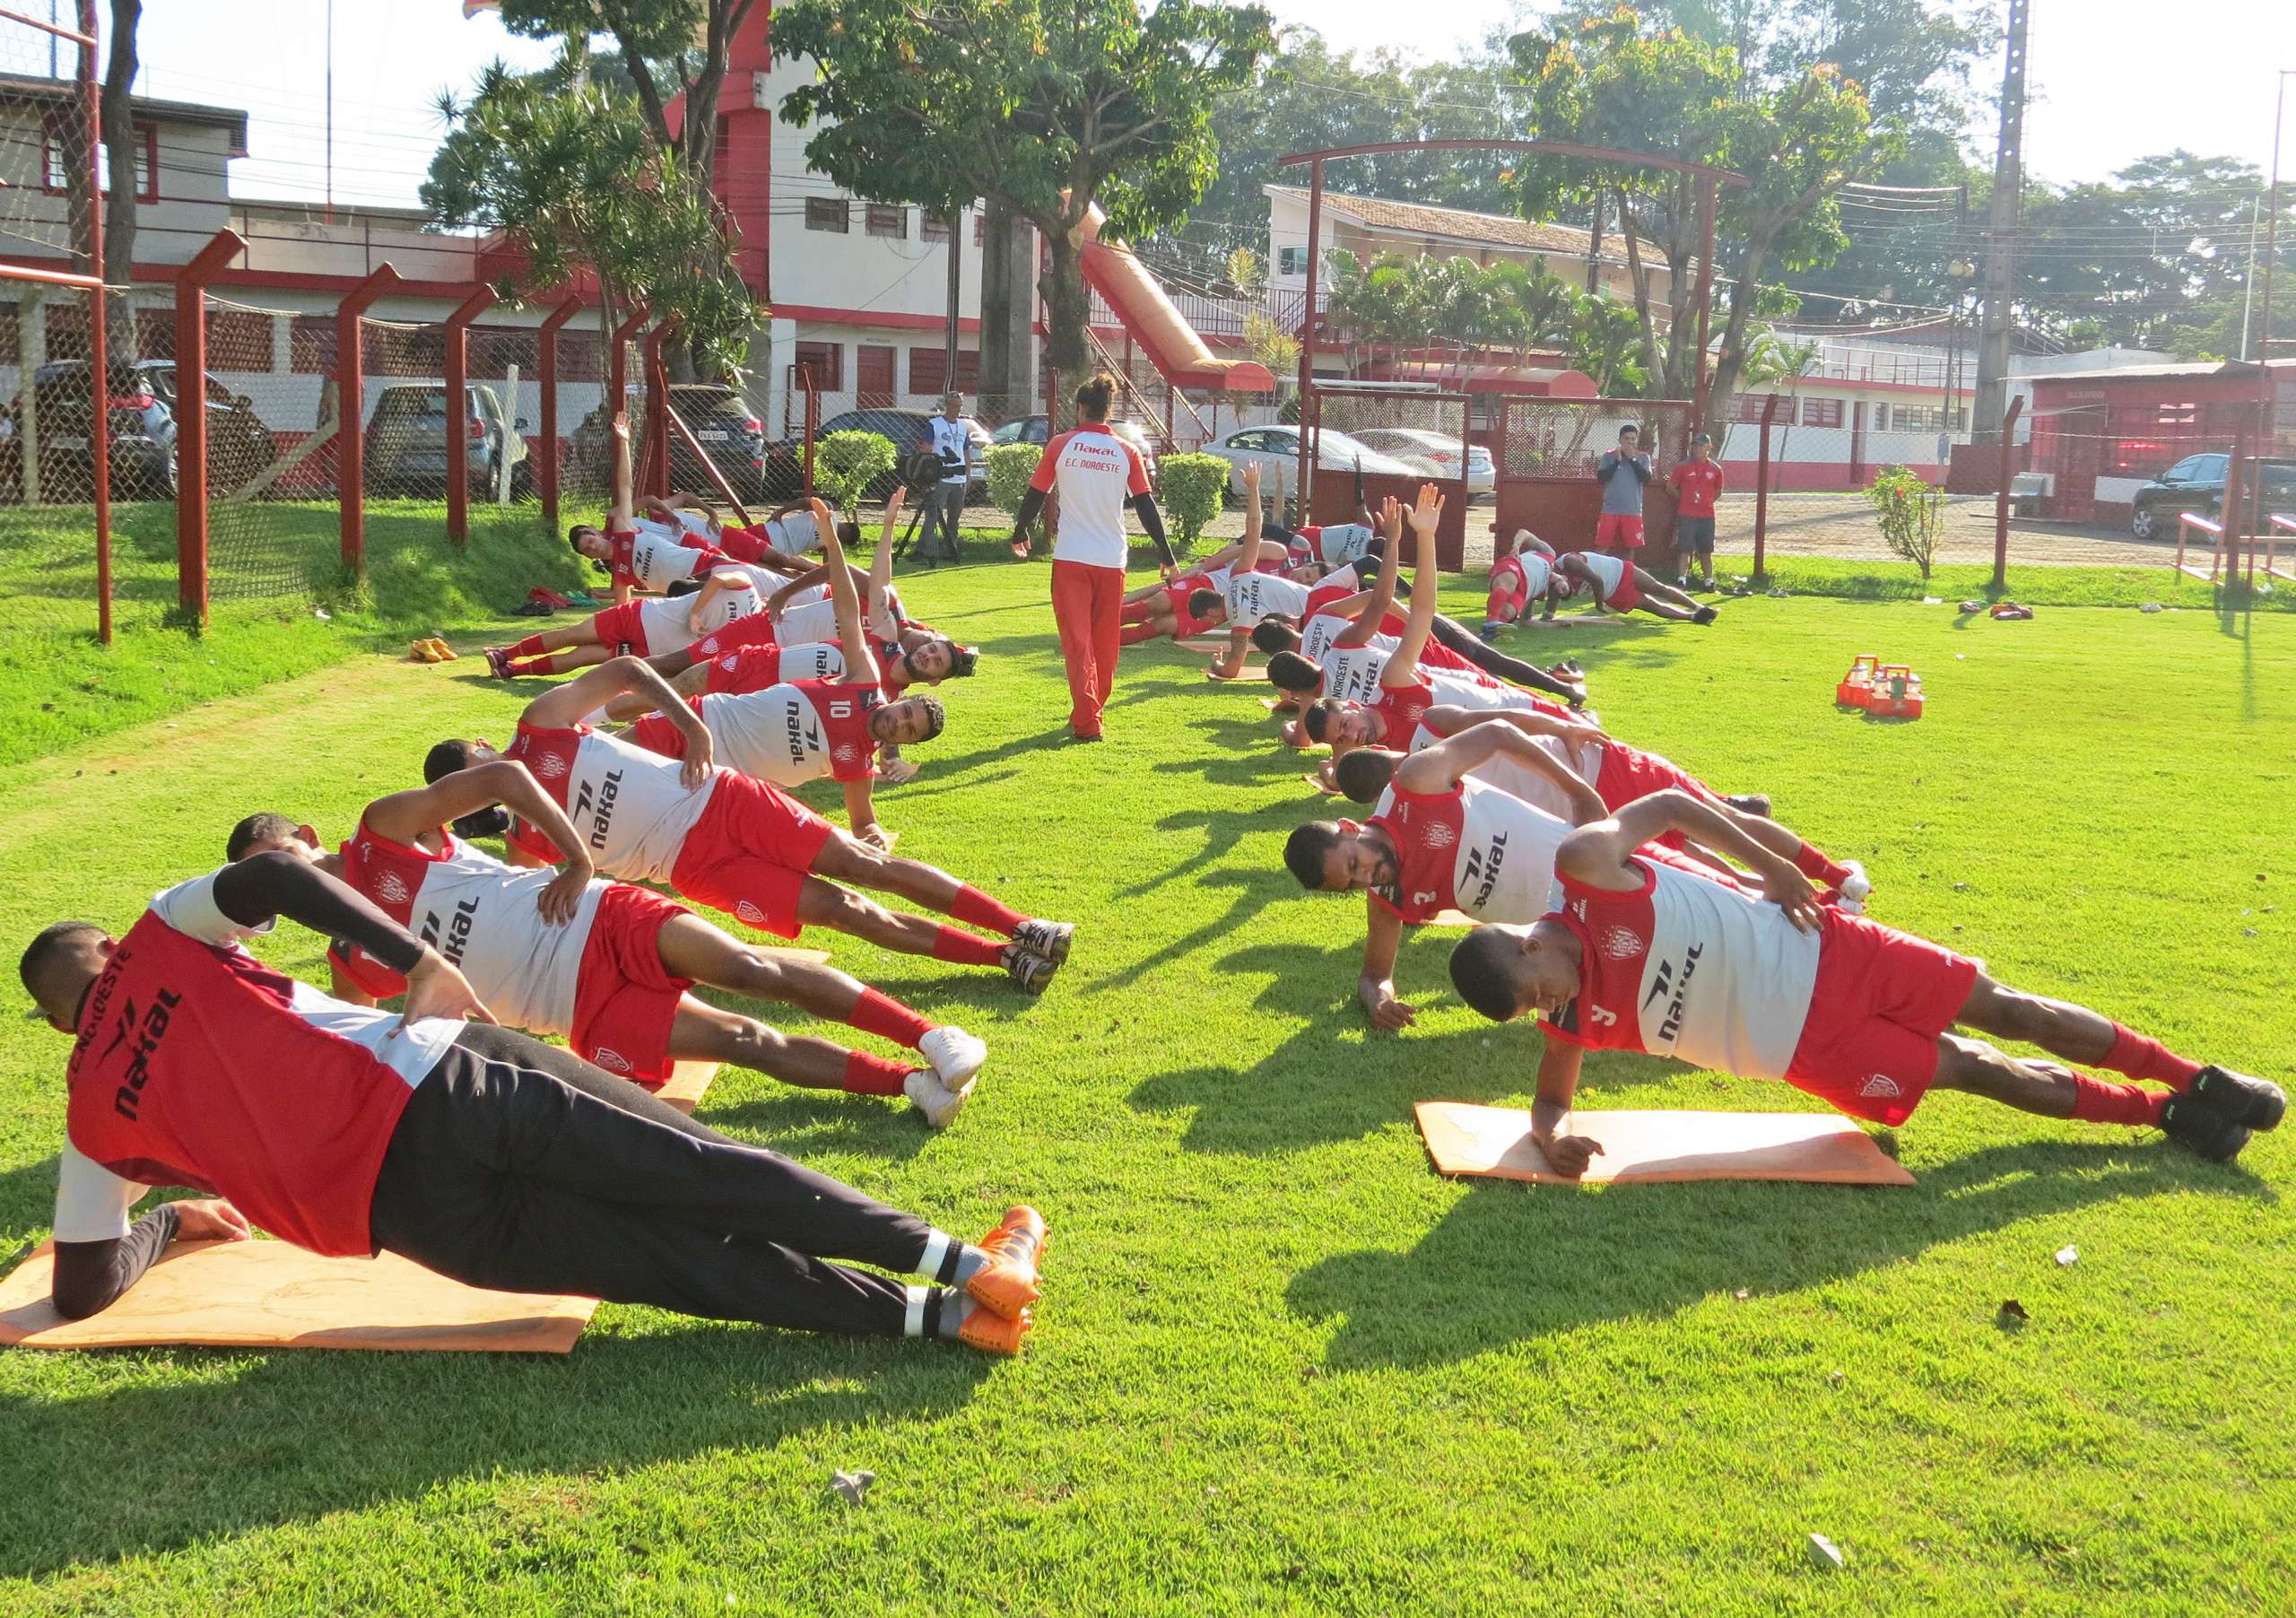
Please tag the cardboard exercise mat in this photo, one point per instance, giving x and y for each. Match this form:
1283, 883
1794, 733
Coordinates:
270, 1294
1495, 1142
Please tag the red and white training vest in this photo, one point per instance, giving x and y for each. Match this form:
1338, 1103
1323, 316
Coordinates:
627, 804
1473, 848
795, 732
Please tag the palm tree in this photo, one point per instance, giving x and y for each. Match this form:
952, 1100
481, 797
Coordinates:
1771, 359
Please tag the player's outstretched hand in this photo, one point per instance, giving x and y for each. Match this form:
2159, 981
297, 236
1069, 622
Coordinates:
562, 895
1790, 891
211, 1219
1391, 518
1571, 1154
892, 772
435, 988
1428, 512
699, 758
876, 836
1387, 1012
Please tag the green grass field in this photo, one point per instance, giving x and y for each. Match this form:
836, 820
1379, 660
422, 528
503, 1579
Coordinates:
1281, 1365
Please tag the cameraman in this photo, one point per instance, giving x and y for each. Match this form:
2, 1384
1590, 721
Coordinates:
949, 442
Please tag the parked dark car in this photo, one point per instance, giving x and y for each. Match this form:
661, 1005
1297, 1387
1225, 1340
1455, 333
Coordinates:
2279, 480
405, 440
2197, 483
141, 417
907, 430
729, 434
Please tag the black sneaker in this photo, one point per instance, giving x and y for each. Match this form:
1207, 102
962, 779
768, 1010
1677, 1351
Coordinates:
2256, 1103
1033, 971
1756, 804
1049, 939
2201, 1130
1705, 615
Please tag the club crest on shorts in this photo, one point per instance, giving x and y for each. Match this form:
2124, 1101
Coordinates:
1879, 1085
746, 911
1621, 943
613, 1061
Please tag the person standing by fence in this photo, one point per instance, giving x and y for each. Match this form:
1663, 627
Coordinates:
1621, 473
949, 440
1697, 483
1096, 473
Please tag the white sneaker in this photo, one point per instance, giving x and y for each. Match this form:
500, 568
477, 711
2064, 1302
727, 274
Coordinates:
955, 1055
1856, 888
938, 1102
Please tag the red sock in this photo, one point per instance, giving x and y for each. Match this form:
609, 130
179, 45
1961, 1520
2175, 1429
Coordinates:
531, 647
1813, 864
976, 909
866, 1075
967, 949
534, 665
2098, 1102
1135, 611
1134, 634
2142, 1058
888, 1019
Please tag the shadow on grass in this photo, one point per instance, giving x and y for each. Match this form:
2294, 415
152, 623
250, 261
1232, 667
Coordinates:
293, 1436
1511, 1261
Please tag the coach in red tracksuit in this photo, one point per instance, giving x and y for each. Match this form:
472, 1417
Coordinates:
1096, 473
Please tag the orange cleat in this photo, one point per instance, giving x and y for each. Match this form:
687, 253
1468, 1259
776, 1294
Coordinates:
992, 1334
1007, 1285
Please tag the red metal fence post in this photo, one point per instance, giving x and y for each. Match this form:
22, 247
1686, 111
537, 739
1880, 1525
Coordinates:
618, 362
2001, 497
457, 342
350, 412
813, 422
1762, 487
191, 425
547, 378
98, 366
653, 463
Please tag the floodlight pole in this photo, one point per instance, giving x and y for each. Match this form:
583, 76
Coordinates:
1308, 323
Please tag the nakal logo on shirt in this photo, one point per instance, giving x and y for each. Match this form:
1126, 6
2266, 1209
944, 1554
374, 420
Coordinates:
1485, 864
1673, 1025
458, 930
608, 790
147, 1038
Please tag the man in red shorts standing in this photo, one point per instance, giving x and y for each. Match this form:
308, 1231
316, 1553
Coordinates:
1643, 956
1621, 472
736, 843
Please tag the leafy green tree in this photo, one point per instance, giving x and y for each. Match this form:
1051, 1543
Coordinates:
845, 465
572, 170
1191, 489
1047, 107
1610, 83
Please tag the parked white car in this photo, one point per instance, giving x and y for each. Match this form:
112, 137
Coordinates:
1277, 449
1435, 454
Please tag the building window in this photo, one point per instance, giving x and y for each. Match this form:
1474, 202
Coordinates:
1291, 261
62, 141
829, 214
1822, 413
981, 228
1748, 406
932, 227
873, 373
929, 371
494, 349
1881, 416
240, 340
824, 362
886, 220
311, 346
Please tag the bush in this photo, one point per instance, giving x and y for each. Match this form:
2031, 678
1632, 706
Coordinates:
1010, 468
1191, 488
1910, 513
844, 464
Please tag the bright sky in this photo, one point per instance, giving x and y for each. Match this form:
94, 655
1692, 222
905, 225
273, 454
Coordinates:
2117, 79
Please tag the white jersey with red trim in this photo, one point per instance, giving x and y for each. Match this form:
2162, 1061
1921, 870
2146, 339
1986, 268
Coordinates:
657, 556
1334, 544
1096, 473
795, 732
817, 620
1475, 849
747, 668
670, 625
485, 917
1252, 597
1684, 967
1511, 776
627, 804
1609, 572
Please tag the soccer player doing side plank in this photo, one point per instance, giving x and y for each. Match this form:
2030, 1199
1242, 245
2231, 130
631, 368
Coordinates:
606, 965
477, 1153
733, 842
1641, 955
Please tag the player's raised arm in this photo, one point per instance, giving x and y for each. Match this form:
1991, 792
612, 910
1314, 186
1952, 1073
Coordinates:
718, 581
562, 707
852, 636
1382, 594
1402, 670
882, 621
1440, 767
1599, 855
404, 816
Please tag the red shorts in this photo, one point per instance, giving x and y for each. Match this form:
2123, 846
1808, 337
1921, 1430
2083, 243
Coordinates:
656, 734
749, 853
1881, 1000
621, 630
1508, 596
1629, 773
626, 1001
1616, 531
1628, 596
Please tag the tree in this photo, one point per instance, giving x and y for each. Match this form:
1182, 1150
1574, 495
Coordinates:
1047, 107
115, 110
1775, 90
573, 172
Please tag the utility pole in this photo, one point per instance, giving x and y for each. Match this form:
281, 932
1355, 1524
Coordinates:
2001, 236
2248, 281
956, 302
